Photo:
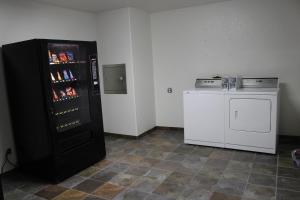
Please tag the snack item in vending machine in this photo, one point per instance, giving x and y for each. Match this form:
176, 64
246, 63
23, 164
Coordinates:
74, 92
55, 58
50, 56
55, 97
66, 76
69, 91
71, 75
70, 56
62, 94
58, 76
52, 77
62, 57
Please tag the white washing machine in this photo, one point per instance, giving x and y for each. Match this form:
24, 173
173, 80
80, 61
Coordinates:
204, 109
204, 116
244, 119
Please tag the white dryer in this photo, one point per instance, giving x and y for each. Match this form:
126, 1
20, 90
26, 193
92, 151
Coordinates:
251, 117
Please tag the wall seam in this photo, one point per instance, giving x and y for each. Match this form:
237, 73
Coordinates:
153, 71
133, 69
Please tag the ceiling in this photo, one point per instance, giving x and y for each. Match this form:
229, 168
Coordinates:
147, 5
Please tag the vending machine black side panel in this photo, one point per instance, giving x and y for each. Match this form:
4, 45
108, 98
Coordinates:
26, 102
1, 190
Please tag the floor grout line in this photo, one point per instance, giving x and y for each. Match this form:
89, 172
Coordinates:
276, 183
247, 183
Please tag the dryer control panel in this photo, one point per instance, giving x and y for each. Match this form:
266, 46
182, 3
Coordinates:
260, 82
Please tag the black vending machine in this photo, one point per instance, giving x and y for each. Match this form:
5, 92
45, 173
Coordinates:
54, 96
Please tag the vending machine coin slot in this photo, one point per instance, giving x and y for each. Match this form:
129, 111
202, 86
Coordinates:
95, 75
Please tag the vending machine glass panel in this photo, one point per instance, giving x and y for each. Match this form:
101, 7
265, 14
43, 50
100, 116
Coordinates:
70, 85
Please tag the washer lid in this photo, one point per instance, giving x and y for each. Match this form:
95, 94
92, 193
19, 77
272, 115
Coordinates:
206, 91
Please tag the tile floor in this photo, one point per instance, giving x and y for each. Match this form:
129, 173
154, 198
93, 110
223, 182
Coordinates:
159, 166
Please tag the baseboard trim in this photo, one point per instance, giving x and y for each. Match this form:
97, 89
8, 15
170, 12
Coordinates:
145, 133
169, 128
130, 136
282, 137
290, 139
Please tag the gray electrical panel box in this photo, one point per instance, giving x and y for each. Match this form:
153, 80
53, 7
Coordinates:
114, 79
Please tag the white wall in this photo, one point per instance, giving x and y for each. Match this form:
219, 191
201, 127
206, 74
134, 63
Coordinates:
114, 46
143, 69
22, 20
251, 38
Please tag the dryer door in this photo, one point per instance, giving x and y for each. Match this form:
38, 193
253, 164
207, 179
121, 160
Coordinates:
250, 114
251, 122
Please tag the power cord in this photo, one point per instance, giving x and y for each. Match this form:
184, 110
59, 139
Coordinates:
7, 153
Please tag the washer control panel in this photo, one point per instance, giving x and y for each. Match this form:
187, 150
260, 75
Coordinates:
208, 83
